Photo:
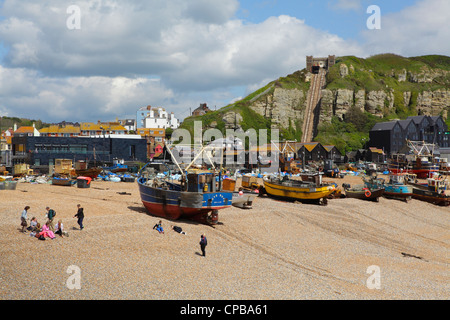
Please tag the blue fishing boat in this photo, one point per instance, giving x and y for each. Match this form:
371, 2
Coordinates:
118, 166
197, 195
395, 188
63, 181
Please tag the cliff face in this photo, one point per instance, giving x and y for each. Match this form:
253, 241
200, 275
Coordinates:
384, 85
282, 106
380, 103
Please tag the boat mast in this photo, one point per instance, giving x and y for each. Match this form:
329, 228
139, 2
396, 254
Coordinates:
173, 158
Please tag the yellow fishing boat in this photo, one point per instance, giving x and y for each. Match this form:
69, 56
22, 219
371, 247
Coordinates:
297, 190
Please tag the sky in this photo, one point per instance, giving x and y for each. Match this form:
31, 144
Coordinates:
103, 59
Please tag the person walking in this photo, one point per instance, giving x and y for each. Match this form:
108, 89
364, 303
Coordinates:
24, 218
80, 216
203, 244
50, 216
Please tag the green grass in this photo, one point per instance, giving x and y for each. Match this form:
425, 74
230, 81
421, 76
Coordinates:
378, 72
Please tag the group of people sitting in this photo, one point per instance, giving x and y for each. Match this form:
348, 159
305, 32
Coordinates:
48, 230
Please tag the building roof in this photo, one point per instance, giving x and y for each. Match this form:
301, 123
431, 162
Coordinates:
57, 129
309, 145
376, 150
382, 126
329, 147
405, 123
25, 129
155, 132
90, 126
417, 119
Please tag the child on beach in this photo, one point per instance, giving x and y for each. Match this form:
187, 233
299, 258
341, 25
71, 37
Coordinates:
24, 218
33, 224
158, 227
36, 231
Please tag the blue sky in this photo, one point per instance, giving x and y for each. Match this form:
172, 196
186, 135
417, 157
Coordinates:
178, 54
345, 18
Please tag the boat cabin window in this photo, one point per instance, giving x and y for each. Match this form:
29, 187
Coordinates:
198, 181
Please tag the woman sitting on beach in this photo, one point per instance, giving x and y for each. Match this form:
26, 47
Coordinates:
46, 232
36, 230
33, 224
59, 229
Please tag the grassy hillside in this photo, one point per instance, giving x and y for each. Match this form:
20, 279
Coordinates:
376, 73
250, 118
8, 122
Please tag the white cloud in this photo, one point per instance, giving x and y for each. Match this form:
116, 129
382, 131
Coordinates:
28, 94
419, 29
196, 49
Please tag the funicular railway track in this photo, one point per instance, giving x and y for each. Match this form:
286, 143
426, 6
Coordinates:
314, 95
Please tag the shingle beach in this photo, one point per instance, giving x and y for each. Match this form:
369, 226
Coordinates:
275, 251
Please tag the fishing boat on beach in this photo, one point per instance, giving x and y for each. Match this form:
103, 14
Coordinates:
197, 195
420, 161
302, 190
242, 198
433, 191
81, 169
63, 181
117, 167
395, 188
363, 193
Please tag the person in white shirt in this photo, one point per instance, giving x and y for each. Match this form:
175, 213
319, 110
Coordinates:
59, 229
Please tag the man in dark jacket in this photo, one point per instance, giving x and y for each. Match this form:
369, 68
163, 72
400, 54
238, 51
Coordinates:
203, 244
80, 216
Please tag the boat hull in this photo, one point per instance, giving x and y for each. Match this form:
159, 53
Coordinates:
374, 195
297, 193
402, 192
91, 173
431, 196
175, 204
63, 182
243, 199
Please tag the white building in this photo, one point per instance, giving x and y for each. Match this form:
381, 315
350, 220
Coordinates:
148, 117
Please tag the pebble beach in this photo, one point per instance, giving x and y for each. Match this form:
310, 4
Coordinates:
275, 251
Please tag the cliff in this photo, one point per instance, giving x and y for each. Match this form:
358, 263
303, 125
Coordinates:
388, 86
383, 87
